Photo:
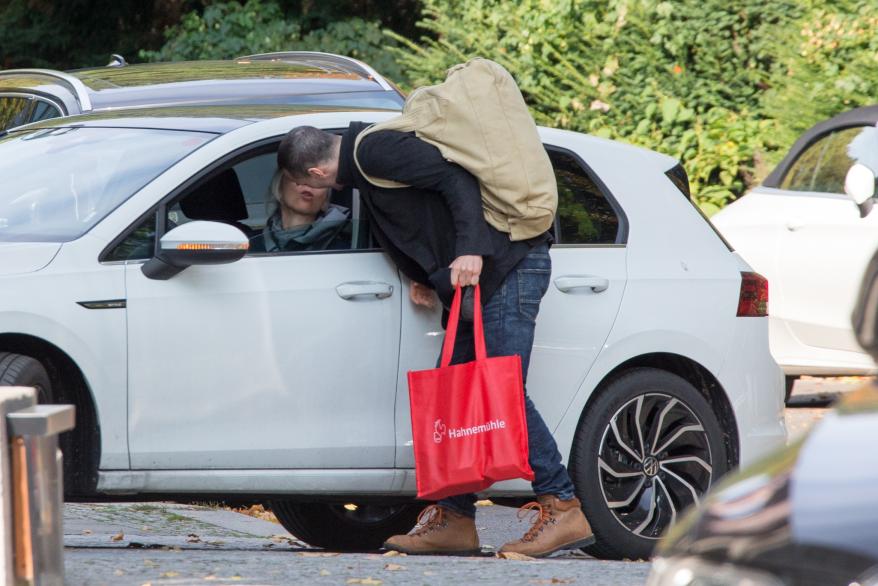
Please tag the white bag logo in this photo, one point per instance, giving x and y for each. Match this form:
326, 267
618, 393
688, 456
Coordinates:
438, 431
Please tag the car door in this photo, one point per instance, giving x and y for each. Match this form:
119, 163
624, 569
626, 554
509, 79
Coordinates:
825, 244
279, 360
576, 314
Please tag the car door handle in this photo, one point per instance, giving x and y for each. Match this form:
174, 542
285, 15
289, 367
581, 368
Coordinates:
578, 283
358, 289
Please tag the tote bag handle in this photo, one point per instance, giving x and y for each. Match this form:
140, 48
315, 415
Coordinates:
454, 319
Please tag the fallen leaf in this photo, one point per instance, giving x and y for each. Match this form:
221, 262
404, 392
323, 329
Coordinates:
552, 581
391, 553
118, 537
484, 503
86, 531
325, 573
367, 581
429, 573
511, 555
393, 567
170, 575
217, 543
210, 578
119, 573
193, 538
150, 563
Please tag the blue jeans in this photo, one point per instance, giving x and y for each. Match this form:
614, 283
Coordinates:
509, 318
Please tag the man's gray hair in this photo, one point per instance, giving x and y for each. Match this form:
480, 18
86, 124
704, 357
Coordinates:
302, 148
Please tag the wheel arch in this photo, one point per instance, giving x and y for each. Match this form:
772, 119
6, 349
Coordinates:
692, 372
82, 445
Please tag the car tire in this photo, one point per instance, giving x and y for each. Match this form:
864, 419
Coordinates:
788, 391
628, 498
332, 526
17, 370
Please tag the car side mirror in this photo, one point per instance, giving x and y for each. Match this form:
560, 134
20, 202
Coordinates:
196, 243
859, 184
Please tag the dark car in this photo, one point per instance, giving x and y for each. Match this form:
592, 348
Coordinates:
291, 78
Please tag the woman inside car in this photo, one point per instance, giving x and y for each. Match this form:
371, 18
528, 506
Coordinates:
302, 219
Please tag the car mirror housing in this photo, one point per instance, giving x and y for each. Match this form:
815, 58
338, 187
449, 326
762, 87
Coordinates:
196, 243
859, 184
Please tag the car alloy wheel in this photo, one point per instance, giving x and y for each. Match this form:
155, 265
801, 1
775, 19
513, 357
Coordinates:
648, 445
654, 460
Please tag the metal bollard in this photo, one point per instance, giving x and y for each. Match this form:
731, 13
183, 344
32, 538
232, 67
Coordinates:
37, 492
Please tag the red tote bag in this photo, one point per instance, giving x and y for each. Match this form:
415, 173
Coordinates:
468, 422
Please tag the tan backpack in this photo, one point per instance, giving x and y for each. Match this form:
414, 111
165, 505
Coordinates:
477, 118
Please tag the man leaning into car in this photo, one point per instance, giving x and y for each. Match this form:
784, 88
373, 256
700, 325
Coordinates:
436, 233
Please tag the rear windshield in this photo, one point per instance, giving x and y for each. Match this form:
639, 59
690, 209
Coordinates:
57, 183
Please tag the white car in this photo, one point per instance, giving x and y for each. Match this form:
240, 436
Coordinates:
283, 376
803, 233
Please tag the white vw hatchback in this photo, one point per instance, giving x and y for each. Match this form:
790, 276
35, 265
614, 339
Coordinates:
202, 370
807, 237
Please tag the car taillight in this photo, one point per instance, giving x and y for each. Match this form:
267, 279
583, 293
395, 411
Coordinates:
753, 301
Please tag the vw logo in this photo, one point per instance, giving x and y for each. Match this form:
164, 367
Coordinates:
650, 466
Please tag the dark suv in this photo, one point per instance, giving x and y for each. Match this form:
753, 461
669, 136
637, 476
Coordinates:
270, 79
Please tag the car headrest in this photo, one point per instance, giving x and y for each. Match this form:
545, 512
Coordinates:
220, 199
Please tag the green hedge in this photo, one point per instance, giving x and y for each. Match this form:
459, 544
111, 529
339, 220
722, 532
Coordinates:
225, 30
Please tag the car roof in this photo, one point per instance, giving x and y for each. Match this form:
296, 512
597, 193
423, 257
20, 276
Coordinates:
257, 79
865, 116
216, 119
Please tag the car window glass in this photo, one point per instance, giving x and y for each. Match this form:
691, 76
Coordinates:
845, 148
139, 244
13, 111
585, 216
822, 166
59, 182
43, 111
243, 196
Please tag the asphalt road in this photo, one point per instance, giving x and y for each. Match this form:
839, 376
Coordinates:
172, 544
162, 543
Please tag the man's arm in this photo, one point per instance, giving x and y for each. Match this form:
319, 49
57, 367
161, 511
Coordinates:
403, 157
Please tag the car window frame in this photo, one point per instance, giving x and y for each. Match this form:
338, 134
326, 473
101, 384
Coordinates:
160, 209
864, 116
34, 98
622, 231
823, 137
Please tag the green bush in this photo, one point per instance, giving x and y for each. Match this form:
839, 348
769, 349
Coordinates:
225, 30
827, 63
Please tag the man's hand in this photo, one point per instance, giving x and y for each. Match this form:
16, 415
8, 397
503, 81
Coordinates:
465, 270
422, 295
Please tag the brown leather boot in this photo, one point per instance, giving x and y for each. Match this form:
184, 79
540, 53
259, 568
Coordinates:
557, 525
439, 531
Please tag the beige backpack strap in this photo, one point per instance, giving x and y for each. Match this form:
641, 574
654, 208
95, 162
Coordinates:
397, 123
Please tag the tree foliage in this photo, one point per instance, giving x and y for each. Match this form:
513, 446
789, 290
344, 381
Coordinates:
81, 33
827, 63
226, 30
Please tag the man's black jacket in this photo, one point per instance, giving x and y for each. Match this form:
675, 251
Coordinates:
426, 226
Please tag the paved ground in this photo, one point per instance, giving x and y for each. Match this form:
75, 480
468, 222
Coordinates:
162, 543
172, 544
